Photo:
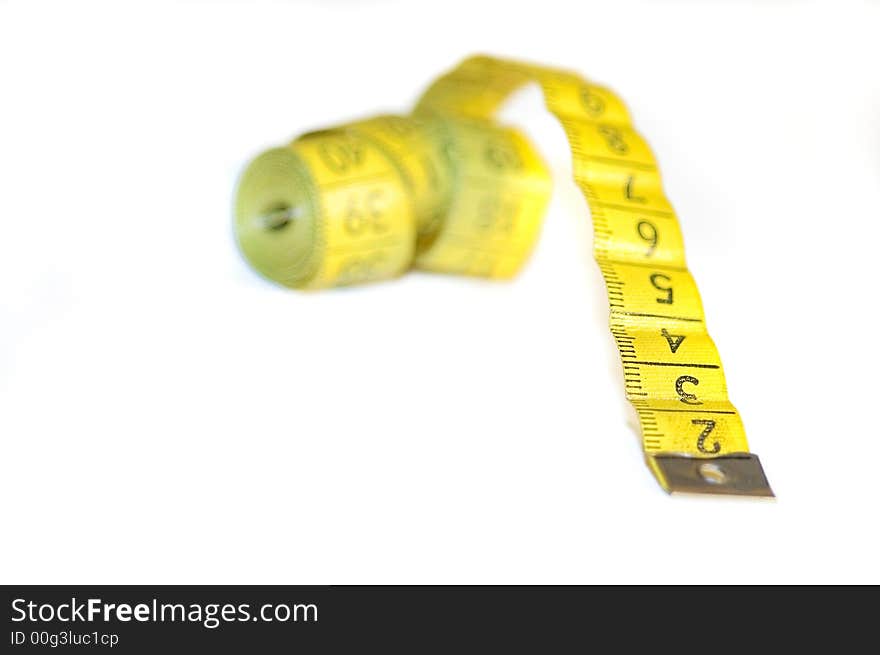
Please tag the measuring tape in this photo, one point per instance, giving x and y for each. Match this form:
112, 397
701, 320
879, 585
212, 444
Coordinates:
447, 189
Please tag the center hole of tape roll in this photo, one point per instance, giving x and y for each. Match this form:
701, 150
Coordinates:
712, 473
278, 216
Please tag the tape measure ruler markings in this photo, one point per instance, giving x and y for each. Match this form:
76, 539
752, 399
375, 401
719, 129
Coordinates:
449, 190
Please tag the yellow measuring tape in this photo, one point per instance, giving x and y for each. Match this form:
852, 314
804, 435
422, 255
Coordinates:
447, 189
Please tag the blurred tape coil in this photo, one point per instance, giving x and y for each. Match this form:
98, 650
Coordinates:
450, 190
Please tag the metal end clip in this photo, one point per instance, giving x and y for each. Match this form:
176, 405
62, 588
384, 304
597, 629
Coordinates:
737, 474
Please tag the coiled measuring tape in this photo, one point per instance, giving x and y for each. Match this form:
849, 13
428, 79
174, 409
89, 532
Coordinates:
447, 189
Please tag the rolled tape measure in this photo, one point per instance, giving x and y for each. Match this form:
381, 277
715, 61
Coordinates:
450, 190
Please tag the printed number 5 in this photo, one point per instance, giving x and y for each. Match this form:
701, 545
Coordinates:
657, 281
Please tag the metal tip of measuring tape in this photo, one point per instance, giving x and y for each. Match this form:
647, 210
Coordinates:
738, 474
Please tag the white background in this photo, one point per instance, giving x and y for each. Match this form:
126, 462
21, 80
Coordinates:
168, 416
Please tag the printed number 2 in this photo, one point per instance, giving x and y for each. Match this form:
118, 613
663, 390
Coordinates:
707, 430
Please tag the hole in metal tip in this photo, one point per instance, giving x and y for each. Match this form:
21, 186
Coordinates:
278, 217
712, 473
